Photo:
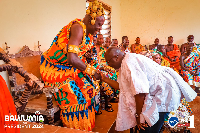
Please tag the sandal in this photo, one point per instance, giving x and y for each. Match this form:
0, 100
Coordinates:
109, 108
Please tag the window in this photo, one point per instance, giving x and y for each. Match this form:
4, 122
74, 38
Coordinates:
106, 27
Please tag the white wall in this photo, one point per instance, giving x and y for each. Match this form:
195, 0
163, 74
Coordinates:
25, 22
149, 19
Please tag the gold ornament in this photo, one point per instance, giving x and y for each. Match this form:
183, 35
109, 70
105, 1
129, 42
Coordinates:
73, 49
92, 22
90, 69
94, 8
90, 4
94, 15
103, 10
100, 7
96, 2
87, 11
99, 13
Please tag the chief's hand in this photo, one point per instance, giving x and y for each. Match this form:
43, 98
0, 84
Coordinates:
97, 75
88, 55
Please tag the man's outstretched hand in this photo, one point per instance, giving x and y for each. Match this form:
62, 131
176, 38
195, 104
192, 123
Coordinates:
97, 76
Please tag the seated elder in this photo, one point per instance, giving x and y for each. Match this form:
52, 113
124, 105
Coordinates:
190, 64
65, 67
137, 47
154, 46
173, 54
190, 42
125, 43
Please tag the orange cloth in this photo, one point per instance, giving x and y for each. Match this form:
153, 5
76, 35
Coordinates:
138, 48
7, 107
172, 55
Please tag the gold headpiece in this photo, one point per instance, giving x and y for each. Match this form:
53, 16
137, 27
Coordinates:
95, 9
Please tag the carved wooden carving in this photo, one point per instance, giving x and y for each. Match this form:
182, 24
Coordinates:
25, 52
16, 64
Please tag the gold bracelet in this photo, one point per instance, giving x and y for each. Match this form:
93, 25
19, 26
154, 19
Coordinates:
90, 70
73, 49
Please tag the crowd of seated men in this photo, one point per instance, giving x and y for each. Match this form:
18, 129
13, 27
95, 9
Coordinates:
184, 60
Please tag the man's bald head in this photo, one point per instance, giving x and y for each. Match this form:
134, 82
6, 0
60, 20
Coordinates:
112, 51
114, 57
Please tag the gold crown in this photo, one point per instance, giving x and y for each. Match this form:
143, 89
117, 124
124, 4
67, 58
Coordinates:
95, 9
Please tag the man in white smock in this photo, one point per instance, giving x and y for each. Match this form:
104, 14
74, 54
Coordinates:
148, 91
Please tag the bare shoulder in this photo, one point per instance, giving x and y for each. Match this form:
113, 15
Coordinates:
76, 29
184, 44
76, 34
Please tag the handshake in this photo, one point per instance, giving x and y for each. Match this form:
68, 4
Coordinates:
99, 75
96, 74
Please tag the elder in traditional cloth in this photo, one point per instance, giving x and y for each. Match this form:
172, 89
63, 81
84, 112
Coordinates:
147, 90
65, 67
173, 54
190, 64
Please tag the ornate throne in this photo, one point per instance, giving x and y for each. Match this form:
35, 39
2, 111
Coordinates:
22, 67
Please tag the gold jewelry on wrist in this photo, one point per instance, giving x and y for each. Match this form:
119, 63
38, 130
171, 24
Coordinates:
90, 70
97, 87
136, 115
73, 49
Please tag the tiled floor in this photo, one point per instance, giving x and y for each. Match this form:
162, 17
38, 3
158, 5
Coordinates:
104, 121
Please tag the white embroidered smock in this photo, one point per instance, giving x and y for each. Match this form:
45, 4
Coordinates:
162, 85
